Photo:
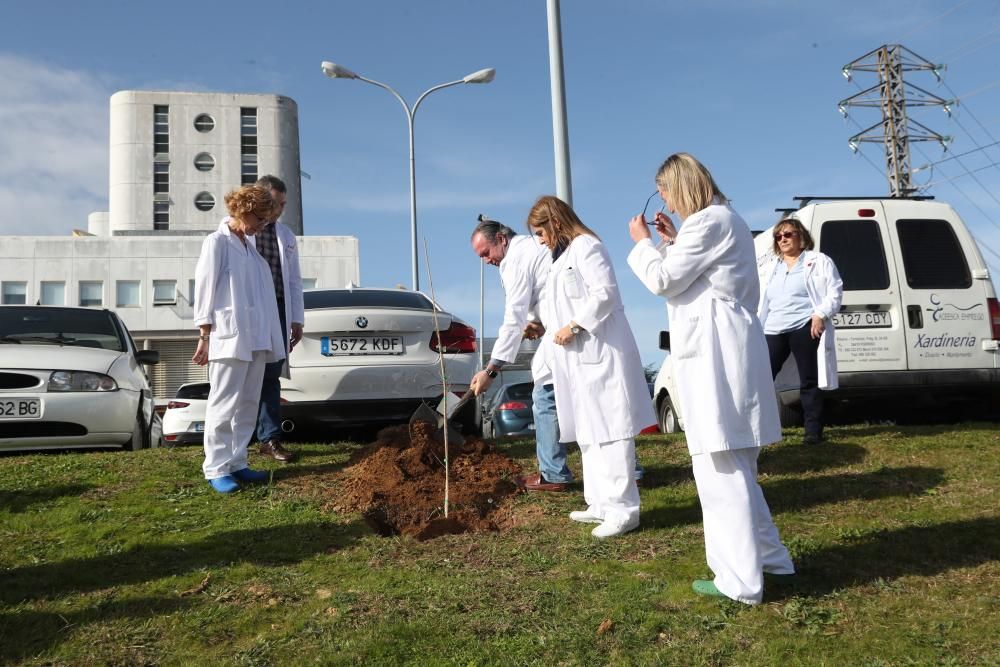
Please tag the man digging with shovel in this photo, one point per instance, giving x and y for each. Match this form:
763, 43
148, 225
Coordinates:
524, 267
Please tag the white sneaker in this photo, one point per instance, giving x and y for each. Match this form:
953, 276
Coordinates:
585, 517
613, 528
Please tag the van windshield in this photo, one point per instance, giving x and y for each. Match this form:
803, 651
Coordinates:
932, 256
855, 246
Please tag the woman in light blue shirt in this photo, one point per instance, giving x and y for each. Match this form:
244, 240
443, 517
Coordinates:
799, 296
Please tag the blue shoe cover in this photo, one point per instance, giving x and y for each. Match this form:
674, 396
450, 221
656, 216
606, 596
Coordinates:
224, 484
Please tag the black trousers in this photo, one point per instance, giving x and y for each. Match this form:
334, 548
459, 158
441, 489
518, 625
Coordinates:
801, 345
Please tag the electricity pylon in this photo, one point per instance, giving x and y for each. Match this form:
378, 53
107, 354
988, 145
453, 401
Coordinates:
893, 95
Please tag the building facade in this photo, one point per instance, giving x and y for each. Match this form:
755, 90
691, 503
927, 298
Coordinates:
174, 156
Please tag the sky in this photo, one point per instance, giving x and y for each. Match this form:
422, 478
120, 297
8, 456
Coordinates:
750, 87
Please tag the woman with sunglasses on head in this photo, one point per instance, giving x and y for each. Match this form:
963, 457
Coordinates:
801, 290
708, 273
601, 395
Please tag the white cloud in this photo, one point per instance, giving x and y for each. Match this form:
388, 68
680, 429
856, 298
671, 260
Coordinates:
54, 144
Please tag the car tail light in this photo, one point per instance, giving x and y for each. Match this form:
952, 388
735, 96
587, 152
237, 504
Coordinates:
513, 405
173, 405
456, 338
170, 438
866, 213
994, 307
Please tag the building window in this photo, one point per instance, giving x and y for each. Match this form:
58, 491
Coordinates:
14, 293
126, 294
248, 146
204, 201
91, 293
161, 215
161, 129
204, 162
53, 293
204, 123
161, 177
191, 292
308, 283
164, 292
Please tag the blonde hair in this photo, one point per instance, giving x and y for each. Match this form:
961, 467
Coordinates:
251, 199
558, 220
688, 184
805, 238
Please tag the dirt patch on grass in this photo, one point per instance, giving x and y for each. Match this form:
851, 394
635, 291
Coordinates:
398, 485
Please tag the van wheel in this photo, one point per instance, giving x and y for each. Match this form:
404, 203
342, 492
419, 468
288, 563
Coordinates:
140, 433
790, 417
667, 416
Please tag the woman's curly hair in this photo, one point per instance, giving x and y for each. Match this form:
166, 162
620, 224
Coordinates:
251, 199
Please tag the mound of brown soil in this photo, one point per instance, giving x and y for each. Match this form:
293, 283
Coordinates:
398, 484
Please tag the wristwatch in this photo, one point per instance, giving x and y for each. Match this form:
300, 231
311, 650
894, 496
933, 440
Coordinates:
575, 329
203, 337
490, 373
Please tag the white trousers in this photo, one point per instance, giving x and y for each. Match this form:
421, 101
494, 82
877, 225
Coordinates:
231, 413
609, 481
741, 540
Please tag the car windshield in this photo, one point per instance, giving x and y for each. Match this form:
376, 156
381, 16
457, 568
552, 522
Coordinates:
34, 325
520, 392
199, 391
367, 298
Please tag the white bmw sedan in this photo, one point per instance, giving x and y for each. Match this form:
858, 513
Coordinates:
71, 377
370, 356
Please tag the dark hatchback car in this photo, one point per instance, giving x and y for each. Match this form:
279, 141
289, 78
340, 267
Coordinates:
509, 412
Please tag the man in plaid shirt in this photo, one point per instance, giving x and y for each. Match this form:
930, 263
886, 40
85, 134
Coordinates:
276, 244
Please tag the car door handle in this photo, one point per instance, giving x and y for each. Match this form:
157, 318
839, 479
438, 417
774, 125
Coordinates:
915, 316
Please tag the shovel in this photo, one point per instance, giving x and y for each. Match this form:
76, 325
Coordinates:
445, 410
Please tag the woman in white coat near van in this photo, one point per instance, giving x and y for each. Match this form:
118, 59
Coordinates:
800, 292
707, 271
237, 316
601, 395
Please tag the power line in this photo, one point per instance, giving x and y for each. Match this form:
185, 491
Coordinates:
946, 180
934, 20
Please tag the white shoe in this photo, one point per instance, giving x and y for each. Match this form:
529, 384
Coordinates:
613, 528
585, 517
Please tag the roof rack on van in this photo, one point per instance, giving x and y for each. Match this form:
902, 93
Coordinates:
808, 199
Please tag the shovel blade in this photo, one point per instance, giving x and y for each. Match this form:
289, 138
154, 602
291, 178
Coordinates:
424, 413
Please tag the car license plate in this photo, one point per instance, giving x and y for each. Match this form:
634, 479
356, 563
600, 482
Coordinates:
198, 427
336, 346
20, 408
862, 319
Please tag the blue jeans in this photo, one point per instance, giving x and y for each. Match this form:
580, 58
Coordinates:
551, 453
269, 413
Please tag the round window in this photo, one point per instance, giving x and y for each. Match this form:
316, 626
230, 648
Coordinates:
204, 123
204, 162
204, 201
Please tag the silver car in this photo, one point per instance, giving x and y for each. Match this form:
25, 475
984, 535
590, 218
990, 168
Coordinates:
71, 377
370, 356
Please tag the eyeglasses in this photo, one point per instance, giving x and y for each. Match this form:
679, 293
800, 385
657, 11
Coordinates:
785, 235
644, 208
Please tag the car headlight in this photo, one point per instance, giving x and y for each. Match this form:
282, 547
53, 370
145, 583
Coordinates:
80, 381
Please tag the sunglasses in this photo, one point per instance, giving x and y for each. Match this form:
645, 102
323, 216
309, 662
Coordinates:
644, 208
785, 235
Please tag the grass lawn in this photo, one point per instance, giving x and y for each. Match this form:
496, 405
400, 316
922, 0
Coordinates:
130, 558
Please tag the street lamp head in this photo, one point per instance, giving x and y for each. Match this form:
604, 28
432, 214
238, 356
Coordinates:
482, 76
335, 71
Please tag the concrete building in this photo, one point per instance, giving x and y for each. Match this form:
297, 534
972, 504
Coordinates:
139, 258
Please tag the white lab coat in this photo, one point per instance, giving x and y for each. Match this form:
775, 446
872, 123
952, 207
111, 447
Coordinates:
717, 343
826, 290
601, 392
524, 271
225, 270
291, 275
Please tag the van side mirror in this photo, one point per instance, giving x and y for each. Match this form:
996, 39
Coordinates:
664, 340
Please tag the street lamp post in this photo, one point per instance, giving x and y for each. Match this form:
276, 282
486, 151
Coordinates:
335, 71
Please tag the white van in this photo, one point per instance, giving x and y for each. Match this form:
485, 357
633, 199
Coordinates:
919, 323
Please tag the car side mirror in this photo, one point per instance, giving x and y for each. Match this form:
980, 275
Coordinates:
664, 340
148, 357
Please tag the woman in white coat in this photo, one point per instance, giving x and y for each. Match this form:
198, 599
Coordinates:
601, 395
237, 316
801, 291
707, 272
